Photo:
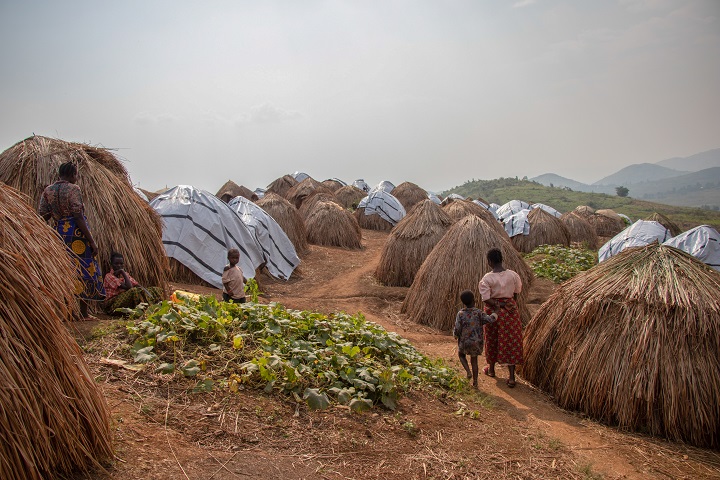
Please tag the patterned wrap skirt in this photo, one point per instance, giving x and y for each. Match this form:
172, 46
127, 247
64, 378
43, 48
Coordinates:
503, 338
132, 298
88, 284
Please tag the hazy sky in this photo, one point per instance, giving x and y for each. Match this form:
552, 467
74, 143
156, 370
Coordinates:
432, 92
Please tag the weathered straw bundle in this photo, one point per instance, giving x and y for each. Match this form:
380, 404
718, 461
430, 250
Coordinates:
372, 221
606, 226
231, 190
458, 209
409, 194
297, 194
288, 218
665, 222
457, 263
584, 211
331, 225
410, 242
280, 186
150, 195
580, 230
545, 229
310, 201
635, 343
54, 419
349, 196
119, 219
332, 184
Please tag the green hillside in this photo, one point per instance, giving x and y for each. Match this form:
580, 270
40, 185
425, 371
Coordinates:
503, 190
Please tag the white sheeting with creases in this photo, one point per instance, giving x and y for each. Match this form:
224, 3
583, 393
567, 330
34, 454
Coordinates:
639, 234
511, 208
701, 242
517, 223
381, 203
361, 184
547, 208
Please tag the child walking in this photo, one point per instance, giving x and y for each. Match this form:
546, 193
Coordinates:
469, 332
232, 278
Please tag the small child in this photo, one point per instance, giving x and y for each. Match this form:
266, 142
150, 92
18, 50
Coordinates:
469, 332
232, 278
123, 291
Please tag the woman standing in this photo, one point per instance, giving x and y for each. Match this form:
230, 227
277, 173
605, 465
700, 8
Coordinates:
62, 201
503, 339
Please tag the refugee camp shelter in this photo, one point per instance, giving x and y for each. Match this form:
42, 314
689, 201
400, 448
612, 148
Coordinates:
544, 229
547, 208
510, 208
382, 205
665, 222
331, 225
639, 234
300, 176
580, 230
349, 196
280, 186
297, 194
409, 194
231, 190
702, 242
385, 185
288, 217
458, 209
360, 183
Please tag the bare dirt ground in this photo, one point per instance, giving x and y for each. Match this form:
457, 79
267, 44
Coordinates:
164, 432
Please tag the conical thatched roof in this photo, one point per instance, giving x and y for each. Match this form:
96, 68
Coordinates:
410, 242
605, 225
584, 211
580, 230
545, 229
280, 186
54, 420
310, 201
458, 209
409, 194
297, 194
333, 184
372, 221
288, 218
331, 225
630, 342
665, 222
118, 218
457, 263
231, 190
349, 196
150, 195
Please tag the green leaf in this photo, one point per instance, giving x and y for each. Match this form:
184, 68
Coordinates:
191, 368
358, 405
315, 399
389, 400
145, 355
166, 368
204, 386
237, 342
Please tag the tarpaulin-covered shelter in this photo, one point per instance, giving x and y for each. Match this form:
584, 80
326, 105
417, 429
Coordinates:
300, 176
360, 183
639, 234
702, 242
231, 190
665, 222
384, 205
433, 196
288, 218
385, 186
511, 208
451, 198
545, 229
547, 208
517, 223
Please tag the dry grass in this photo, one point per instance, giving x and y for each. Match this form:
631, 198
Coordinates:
349, 196
331, 225
665, 222
606, 226
634, 342
309, 202
457, 263
333, 185
231, 190
409, 194
458, 209
410, 242
584, 211
288, 218
372, 221
297, 194
54, 418
580, 230
545, 229
280, 186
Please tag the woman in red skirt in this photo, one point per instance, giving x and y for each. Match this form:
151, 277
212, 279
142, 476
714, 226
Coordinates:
503, 339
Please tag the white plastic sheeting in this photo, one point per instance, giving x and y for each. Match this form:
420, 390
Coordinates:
278, 250
338, 180
300, 176
493, 207
517, 223
701, 242
547, 208
486, 207
385, 186
360, 183
451, 198
199, 229
625, 218
511, 208
639, 234
260, 192
385, 205
433, 196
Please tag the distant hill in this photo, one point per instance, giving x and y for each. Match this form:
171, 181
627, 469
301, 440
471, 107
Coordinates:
639, 172
693, 189
693, 163
553, 180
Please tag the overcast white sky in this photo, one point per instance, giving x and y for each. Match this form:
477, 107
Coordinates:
432, 92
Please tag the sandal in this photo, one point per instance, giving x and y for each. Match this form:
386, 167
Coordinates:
510, 383
486, 371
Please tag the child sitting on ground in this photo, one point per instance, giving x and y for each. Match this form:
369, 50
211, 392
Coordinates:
123, 291
469, 332
232, 278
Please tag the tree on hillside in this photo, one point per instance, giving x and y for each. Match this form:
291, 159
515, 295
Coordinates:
622, 191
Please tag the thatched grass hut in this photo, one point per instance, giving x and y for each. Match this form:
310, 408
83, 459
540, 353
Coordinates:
297, 194
632, 343
280, 186
231, 190
333, 184
410, 242
545, 229
584, 211
606, 225
457, 263
580, 230
55, 420
331, 225
458, 209
372, 221
119, 219
288, 218
150, 195
349, 196
409, 194
309, 202
665, 222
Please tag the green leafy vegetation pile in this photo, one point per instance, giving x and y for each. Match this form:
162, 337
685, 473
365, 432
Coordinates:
322, 359
559, 263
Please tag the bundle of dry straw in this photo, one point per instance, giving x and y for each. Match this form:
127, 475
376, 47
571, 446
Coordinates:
634, 341
231, 190
288, 218
580, 230
280, 186
310, 201
349, 196
409, 194
332, 184
331, 225
458, 209
372, 221
410, 242
297, 194
119, 219
606, 226
545, 229
584, 211
457, 263
54, 420
665, 222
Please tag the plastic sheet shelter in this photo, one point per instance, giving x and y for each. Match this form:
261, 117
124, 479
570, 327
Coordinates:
639, 234
701, 242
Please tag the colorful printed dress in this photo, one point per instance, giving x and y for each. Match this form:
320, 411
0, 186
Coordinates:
503, 339
469, 330
62, 200
118, 298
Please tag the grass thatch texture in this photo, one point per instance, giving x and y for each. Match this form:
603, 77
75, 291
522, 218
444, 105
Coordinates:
634, 341
606, 226
457, 263
409, 194
150, 195
371, 222
309, 202
458, 209
280, 186
118, 218
297, 194
410, 242
584, 211
665, 222
349, 196
331, 225
333, 185
288, 218
580, 230
545, 229
182, 274
231, 190
54, 419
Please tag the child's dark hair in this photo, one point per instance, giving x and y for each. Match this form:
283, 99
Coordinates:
115, 255
66, 169
233, 250
467, 297
494, 256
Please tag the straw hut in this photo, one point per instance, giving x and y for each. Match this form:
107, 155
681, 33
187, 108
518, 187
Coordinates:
409, 194
331, 225
606, 225
297, 194
349, 196
459, 209
231, 190
457, 263
632, 343
55, 421
410, 243
545, 229
288, 218
580, 230
280, 186
150, 195
312, 199
584, 211
372, 221
665, 222
119, 219
333, 184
